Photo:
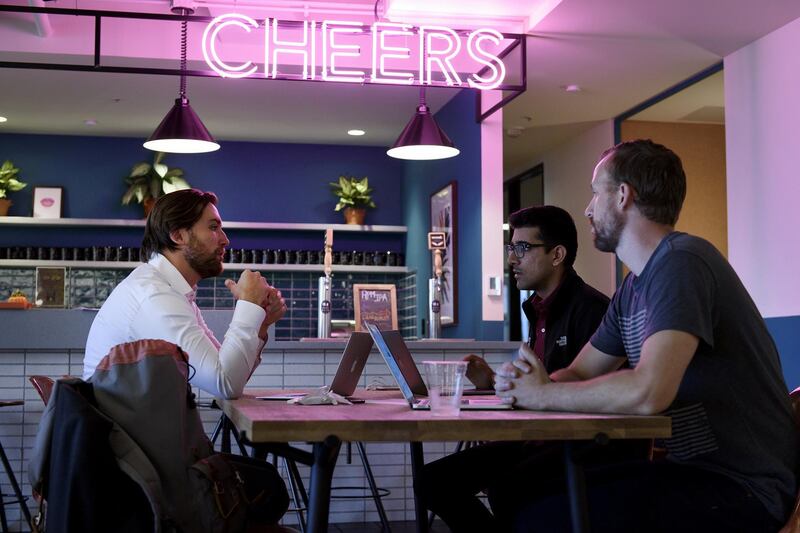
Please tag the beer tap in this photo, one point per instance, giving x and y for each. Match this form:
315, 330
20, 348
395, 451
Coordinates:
324, 289
436, 243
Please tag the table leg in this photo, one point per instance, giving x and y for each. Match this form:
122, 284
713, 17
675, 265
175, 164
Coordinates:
325, 455
576, 489
417, 462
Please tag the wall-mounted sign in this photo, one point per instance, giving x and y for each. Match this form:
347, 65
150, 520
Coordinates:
343, 51
437, 240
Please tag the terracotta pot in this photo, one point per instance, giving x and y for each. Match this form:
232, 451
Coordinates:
5, 203
148, 206
354, 215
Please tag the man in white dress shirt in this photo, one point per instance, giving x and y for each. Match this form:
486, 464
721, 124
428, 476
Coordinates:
184, 243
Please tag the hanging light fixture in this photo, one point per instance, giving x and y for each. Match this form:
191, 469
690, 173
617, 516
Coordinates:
182, 131
422, 138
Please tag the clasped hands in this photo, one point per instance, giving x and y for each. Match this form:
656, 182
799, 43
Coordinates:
253, 288
520, 381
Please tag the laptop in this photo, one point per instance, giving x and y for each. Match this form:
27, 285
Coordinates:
395, 352
351, 365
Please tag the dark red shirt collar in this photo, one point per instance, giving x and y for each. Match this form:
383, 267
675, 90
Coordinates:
542, 306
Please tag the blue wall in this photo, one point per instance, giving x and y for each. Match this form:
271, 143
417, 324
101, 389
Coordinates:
423, 178
785, 332
255, 182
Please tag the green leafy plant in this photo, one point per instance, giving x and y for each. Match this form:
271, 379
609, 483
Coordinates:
152, 181
9, 182
352, 192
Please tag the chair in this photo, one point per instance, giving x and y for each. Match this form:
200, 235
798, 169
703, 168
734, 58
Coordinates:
377, 493
225, 429
18, 497
793, 524
43, 385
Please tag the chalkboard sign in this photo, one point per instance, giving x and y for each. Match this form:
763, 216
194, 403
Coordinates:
50, 286
376, 304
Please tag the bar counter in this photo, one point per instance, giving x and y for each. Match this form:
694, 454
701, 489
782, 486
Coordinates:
51, 342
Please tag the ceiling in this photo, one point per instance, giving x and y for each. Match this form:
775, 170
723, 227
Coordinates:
701, 103
619, 52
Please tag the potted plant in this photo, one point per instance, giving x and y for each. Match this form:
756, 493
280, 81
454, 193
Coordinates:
8, 183
147, 182
354, 198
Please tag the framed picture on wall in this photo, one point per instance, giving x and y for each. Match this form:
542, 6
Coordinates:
47, 202
444, 218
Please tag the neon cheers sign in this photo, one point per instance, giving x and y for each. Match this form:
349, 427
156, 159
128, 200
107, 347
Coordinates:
341, 51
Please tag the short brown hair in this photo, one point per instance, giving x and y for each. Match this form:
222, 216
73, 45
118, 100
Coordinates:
656, 174
555, 227
171, 212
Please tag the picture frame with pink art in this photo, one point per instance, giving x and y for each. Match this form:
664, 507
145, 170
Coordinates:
47, 202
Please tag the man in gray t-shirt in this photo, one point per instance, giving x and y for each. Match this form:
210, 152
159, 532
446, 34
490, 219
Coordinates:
698, 351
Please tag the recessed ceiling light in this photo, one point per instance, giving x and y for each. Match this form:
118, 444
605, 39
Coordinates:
356, 133
3, 119
90, 122
572, 88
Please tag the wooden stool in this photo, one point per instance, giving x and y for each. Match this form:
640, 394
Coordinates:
18, 497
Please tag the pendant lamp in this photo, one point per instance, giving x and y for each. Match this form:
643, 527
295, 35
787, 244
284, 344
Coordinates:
182, 131
422, 138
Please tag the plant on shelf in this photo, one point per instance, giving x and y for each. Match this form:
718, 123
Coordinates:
147, 182
9, 182
354, 198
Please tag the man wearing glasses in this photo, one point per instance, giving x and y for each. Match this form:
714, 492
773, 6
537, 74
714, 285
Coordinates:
563, 313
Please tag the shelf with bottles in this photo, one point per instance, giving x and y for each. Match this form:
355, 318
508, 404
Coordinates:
233, 267
113, 257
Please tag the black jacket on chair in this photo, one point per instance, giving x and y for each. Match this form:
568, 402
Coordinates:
85, 490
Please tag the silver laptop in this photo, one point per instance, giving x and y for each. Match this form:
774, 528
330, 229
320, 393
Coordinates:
351, 365
395, 352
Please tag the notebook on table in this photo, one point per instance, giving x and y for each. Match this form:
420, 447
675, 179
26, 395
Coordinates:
351, 365
401, 364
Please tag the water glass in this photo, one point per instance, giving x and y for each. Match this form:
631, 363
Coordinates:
445, 386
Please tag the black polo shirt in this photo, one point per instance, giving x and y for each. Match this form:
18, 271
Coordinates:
572, 318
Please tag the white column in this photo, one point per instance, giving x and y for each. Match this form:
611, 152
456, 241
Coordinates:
762, 113
492, 207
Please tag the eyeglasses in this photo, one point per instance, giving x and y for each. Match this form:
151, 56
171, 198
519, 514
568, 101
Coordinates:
520, 247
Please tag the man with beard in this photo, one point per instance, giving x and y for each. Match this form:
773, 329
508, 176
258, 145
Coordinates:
184, 243
563, 313
698, 350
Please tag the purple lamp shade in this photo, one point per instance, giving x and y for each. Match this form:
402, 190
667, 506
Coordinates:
181, 132
423, 139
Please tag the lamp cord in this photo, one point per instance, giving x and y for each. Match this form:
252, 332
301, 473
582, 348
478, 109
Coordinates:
424, 52
184, 29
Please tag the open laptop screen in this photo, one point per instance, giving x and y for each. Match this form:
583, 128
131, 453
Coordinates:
351, 365
395, 352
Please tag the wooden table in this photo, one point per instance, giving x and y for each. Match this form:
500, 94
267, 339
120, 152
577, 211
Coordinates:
327, 426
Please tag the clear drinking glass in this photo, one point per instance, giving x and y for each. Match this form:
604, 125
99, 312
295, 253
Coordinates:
445, 386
